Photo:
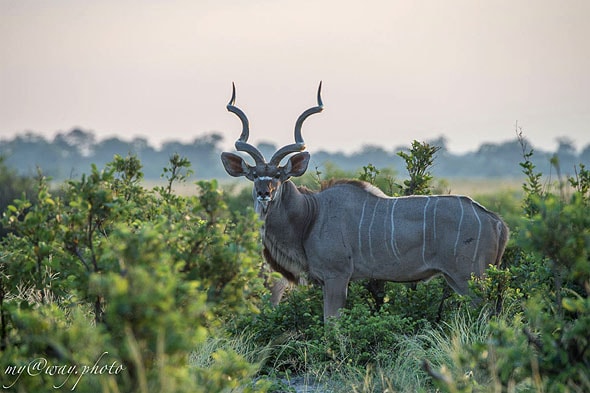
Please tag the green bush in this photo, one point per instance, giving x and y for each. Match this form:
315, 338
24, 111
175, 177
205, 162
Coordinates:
165, 293
542, 343
113, 273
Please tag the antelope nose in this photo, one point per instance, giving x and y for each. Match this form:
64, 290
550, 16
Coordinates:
264, 194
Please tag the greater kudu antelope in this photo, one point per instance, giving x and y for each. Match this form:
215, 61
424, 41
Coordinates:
352, 231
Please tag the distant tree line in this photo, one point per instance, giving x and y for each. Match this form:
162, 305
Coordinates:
71, 153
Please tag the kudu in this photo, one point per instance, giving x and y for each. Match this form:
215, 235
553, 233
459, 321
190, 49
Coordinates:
352, 231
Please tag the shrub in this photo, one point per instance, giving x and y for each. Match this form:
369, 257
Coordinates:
542, 344
114, 273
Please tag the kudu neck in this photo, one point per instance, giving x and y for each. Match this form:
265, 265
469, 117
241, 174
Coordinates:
286, 197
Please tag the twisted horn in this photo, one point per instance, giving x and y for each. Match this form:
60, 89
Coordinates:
242, 142
299, 144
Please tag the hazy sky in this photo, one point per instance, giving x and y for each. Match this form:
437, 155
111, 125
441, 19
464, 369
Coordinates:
392, 71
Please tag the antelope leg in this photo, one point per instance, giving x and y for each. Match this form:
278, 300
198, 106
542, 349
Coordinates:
277, 290
335, 292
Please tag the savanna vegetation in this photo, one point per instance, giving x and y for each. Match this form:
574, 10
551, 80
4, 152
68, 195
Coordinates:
109, 286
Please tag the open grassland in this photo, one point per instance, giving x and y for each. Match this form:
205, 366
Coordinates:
471, 187
480, 186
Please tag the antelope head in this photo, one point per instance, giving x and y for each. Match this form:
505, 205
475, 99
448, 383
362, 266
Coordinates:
268, 176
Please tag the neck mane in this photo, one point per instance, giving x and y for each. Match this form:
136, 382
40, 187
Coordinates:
368, 187
286, 222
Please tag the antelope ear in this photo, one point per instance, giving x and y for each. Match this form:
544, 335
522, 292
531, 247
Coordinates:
234, 164
296, 165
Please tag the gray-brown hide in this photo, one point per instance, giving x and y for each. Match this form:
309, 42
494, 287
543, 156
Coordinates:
352, 231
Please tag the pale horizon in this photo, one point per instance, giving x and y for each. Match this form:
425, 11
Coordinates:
392, 71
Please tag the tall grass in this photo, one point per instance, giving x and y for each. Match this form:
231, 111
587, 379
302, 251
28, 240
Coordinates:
439, 347
241, 344
420, 362
210, 362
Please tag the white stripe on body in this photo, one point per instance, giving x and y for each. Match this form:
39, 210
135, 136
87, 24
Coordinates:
371, 229
360, 225
434, 218
459, 228
385, 227
478, 232
392, 240
424, 231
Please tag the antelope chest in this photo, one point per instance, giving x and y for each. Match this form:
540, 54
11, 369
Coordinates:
284, 255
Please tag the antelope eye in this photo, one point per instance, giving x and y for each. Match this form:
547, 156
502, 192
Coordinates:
277, 175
